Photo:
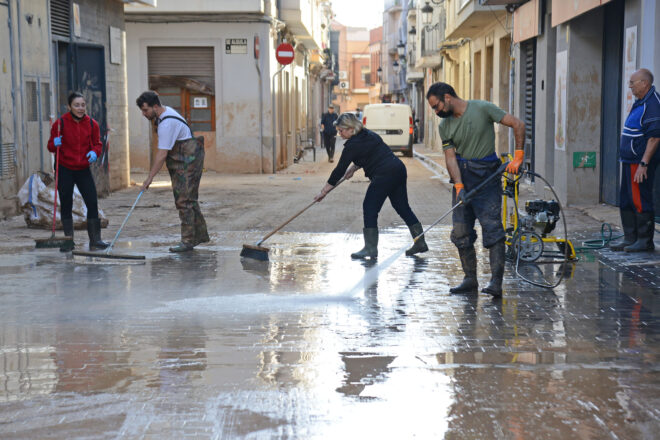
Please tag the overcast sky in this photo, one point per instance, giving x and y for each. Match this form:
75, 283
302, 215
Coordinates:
359, 13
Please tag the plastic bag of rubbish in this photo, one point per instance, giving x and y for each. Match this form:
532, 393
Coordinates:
36, 200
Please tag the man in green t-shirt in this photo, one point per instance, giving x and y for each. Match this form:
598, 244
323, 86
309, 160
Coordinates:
468, 141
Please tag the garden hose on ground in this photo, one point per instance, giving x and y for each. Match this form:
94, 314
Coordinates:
599, 243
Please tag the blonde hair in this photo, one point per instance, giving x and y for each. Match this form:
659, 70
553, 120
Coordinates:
349, 120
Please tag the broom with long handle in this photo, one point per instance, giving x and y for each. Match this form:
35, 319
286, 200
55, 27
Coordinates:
258, 252
55, 242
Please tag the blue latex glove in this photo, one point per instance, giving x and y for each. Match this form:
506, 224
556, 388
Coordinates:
57, 141
91, 156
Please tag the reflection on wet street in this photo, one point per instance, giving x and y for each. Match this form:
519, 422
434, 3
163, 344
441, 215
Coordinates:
208, 345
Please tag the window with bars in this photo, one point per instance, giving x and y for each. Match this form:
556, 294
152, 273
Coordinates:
7, 161
31, 101
45, 101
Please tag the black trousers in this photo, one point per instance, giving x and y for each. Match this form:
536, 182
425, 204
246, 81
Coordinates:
329, 141
388, 183
85, 182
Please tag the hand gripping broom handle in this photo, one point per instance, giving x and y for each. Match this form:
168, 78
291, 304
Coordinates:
296, 215
57, 175
107, 251
468, 196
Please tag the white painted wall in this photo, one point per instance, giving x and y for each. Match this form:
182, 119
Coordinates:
237, 109
198, 6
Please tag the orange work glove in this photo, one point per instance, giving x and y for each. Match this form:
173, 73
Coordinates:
514, 165
459, 188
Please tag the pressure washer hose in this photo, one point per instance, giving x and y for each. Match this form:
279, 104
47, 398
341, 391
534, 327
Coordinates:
563, 218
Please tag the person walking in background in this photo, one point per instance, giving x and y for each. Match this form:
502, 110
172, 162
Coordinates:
468, 141
78, 138
184, 156
639, 159
388, 176
329, 132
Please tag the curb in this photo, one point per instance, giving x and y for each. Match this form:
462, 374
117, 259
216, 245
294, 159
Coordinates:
432, 164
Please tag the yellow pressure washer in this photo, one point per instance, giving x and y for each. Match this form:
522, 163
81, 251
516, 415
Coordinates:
528, 236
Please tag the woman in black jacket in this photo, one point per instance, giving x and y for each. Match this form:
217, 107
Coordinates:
365, 149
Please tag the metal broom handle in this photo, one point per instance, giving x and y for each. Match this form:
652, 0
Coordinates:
297, 214
123, 223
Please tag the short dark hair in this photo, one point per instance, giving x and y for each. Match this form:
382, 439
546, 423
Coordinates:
150, 98
73, 96
439, 90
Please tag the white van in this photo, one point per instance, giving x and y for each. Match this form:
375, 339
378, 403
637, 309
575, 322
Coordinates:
392, 122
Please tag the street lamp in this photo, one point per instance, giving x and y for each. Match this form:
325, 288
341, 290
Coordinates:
427, 14
396, 66
413, 31
379, 73
401, 49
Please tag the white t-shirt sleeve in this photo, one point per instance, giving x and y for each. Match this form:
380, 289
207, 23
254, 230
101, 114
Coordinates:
167, 134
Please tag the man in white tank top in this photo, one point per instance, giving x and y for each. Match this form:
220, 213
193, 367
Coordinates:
184, 156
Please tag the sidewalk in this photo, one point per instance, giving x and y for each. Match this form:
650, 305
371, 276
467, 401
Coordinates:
602, 212
584, 222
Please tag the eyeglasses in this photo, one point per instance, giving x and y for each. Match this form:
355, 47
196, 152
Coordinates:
631, 83
435, 107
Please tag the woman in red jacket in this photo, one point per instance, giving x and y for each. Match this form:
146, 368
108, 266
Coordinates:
78, 138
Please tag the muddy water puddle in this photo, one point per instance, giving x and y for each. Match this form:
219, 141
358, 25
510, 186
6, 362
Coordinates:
209, 345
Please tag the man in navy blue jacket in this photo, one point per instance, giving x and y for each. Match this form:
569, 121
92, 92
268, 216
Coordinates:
329, 131
639, 143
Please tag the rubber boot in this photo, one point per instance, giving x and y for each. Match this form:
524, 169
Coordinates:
67, 226
420, 245
645, 230
496, 255
370, 248
629, 225
94, 232
182, 247
469, 264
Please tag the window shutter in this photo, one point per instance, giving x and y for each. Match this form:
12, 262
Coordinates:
529, 87
60, 18
189, 62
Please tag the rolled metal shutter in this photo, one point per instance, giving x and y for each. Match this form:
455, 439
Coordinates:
196, 63
528, 48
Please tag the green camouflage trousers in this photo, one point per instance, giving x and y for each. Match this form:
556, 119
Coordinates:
185, 163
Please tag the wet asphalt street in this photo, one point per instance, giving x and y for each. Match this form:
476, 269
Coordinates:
211, 346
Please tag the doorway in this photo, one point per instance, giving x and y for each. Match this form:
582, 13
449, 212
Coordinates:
611, 103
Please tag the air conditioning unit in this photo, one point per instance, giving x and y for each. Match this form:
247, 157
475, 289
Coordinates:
344, 85
343, 74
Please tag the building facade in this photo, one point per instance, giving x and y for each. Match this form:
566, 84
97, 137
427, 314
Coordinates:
215, 63
573, 63
375, 67
354, 69
49, 49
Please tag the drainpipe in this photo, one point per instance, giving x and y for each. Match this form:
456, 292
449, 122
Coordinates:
512, 66
53, 81
272, 91
20, 87
261, 111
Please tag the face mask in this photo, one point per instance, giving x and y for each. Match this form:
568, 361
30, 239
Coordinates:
444, 114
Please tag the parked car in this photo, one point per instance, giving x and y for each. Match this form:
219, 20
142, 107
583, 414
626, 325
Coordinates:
394, 123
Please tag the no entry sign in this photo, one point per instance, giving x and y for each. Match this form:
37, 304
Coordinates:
284, 53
